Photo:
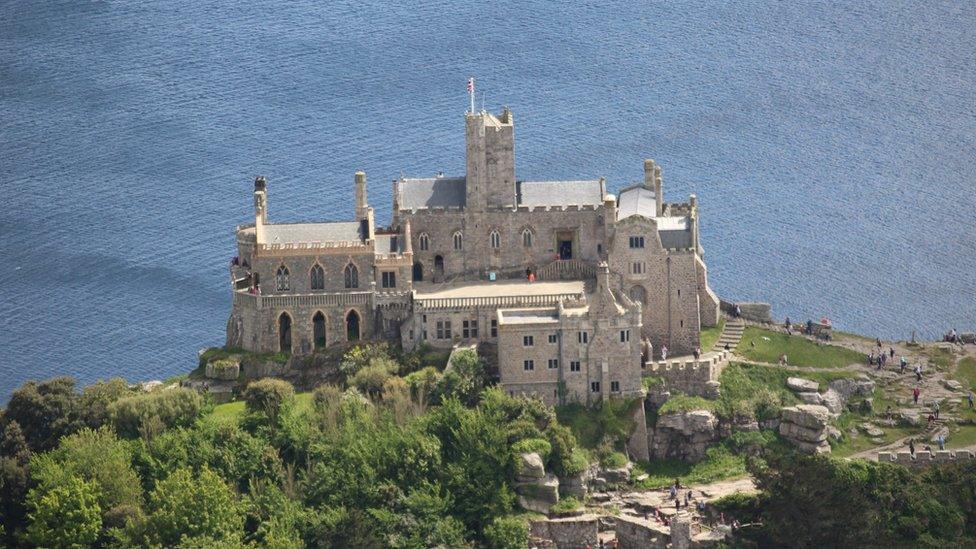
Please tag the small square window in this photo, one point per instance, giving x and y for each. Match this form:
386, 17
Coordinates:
614, 386
584, 337
553, 338
528, 365
574, 366
595, 386
553, 363
389, 279
528, 341
494, 327
637, 242
624, 336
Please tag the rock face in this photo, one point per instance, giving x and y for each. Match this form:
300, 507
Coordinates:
810, 398
952, 384
537, 491
800, 385
619, 475
684, 435
833, 401
849, 387
806, 427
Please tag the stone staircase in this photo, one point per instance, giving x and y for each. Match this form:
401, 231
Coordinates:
731, 334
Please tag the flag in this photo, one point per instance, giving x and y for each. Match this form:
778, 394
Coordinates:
470, 85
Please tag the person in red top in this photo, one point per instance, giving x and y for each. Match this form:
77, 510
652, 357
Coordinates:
915, 392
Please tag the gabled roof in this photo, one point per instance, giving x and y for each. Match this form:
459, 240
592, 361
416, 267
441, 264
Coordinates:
559, 193
294, 233
434, 192
637, 201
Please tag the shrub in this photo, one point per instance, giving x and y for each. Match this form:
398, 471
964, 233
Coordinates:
423, 383
529, 445
507, 533
576, 463
65, 515
614, 460
268, 396
178, 407
566, 505
370, 380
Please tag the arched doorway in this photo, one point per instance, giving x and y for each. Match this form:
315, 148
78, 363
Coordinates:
418, 272
284, 333
438, 268
318, 330
352, 326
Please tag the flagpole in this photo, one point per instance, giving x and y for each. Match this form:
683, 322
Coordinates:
471, 93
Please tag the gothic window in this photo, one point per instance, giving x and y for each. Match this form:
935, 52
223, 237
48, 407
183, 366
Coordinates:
423, 242
281, 279
351, 276
527, 238
496, 240
637, 242
457, 241
317, 275
638, 294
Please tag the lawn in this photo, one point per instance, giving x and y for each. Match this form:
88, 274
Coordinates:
941, 358
752, 389
849, 445
232, 412
966, 372
720, 464
708, 336
960, 437
767, 346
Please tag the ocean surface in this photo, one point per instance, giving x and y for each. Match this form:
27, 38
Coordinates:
832, 147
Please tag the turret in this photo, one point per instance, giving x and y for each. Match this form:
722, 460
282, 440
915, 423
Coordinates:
652, 182
490, 160
260, 208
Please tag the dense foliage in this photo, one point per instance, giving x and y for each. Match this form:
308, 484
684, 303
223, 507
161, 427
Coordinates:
427, 459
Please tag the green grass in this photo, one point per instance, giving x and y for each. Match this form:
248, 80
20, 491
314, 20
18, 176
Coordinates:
719, 464
941, 358
232, 412
960, 437
966, 372
849, 446
683, 403
612, 418
799, 350
759, 391
566, 505
709, 336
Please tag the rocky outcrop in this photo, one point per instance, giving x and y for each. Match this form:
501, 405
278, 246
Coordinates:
806, 427
684, 435
862, 386
537, 491
800, 385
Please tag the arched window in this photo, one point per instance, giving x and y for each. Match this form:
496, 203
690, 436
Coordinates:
458, 244
526, 238
423, 242
318, 330
317, 276
284, 333
351, 276
496, 240
638, 294
281, 279
352, 326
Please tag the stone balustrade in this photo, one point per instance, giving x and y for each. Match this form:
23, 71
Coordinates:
494, 301
567, 269
246, 299
924, 458
684, 363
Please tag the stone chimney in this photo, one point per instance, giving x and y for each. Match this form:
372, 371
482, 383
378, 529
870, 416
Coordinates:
408, 245
658, 191
361, 203
260, 208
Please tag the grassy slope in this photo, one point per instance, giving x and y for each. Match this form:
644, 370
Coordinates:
721, 464
966, 372
708, 336
799, 350
234, 411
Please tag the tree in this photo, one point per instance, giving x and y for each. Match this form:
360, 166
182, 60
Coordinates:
66, 515
507, 533
98, 457
45, 411
96, 398
177, 407
188, 506
268, 397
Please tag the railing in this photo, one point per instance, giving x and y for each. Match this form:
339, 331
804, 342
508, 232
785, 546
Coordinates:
495, 301
568, 269
301, 300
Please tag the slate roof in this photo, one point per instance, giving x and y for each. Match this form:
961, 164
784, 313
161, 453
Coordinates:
435, 192
636, 201
293, 233
559, 193
388, 244
675, 232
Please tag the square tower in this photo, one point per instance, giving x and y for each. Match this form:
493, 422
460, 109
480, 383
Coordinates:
490, 152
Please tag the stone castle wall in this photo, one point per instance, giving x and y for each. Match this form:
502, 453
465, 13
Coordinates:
923, 458
689, 376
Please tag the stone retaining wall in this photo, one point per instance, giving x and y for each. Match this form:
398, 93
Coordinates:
924, 458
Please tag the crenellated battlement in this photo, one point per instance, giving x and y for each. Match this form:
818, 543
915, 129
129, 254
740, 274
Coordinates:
924, 458
690, 376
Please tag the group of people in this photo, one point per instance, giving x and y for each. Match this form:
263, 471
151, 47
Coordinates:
939, 440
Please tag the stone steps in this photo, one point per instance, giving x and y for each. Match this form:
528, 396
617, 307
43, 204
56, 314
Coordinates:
731, 334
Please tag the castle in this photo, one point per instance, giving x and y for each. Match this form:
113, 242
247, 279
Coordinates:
574, 287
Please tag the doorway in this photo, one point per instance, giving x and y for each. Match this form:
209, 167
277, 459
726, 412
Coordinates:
418, 272
318, 330
284, 333
564, 244
352, 326
438, 268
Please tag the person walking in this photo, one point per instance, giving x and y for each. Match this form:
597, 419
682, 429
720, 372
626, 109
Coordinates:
918, 372
891, 351
664, 352
935, 409
915, 392
911, 446
941, 441
971, 398
904, 364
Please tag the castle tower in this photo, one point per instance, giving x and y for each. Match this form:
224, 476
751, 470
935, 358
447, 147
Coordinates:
490, 156
260, 208
652, 182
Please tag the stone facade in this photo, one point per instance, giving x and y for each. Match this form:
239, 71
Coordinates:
437, 274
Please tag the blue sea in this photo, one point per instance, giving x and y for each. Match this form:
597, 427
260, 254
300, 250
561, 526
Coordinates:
832, 146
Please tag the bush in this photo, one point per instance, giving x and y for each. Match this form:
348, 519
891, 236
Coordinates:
529, 445
268, 396
370, 380
423, 383
565, 506
507, 533
178, 407
576, 463
614, 460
